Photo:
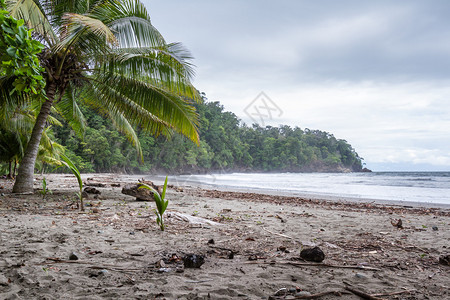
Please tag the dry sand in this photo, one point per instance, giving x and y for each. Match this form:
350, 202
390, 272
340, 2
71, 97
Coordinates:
123, 254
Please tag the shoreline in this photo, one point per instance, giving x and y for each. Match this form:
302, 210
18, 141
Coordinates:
302, 195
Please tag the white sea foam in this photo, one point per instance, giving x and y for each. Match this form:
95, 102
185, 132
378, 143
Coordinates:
414, 187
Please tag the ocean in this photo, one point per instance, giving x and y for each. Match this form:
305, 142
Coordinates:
419, 188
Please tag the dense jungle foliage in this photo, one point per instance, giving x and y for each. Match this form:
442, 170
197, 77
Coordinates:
226, 145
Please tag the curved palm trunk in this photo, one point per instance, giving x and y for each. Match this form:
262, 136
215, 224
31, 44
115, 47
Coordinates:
24, 180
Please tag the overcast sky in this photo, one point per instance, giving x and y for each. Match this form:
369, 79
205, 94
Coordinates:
375, 73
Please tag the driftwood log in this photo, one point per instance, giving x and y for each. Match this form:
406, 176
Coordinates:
140, 194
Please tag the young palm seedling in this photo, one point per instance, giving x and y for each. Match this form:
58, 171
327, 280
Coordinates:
161, 204
45, 190
68, 163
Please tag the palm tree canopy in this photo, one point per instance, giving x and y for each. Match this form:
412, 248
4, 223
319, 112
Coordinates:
108, 55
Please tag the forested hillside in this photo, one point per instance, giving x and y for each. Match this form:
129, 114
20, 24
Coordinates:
226, 145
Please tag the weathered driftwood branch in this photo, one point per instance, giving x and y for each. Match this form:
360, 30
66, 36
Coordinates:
191, 219
318, 295
298, 264
359, 293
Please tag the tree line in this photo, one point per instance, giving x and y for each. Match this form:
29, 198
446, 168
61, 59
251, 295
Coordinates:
226, 144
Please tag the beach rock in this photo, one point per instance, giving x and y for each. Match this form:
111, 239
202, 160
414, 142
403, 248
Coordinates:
193, 260
73, 256
444, 260
313, 254
435, 228
92, 190
135, 191
398, 224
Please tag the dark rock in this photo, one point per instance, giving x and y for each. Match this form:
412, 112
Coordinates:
115, 184
313, 254
435, 228
73, 256
444, 260
193, 260
211, 241
92, 190
398, 224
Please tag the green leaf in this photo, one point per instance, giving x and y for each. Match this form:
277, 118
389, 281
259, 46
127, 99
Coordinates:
12, 52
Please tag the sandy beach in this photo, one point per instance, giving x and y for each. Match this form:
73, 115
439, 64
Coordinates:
250, 243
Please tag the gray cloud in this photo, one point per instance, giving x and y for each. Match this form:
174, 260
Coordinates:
373, 72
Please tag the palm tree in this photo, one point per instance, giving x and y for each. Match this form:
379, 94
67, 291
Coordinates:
107, 54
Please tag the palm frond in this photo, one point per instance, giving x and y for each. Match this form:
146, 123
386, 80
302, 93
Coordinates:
80, 31
70, 111
35, 16
130, 21
148, 105
122, 124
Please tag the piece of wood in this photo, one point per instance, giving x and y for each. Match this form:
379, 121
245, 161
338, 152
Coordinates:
360, 293
90, 265
191, 219
298, 264
318, 295
279, 234
394, 293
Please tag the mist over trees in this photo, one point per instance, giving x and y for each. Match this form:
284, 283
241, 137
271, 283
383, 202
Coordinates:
226, 145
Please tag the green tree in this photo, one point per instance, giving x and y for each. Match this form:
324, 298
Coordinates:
107, 54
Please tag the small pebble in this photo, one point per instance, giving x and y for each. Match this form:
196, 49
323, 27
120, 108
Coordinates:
193, 260
313, 254
73, 256
435, 228
99, 231
292, 290
103, 272
163, 270
132, 233
360, 275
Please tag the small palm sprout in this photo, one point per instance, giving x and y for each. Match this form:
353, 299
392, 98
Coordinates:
44, 190
161, 204
68, 163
